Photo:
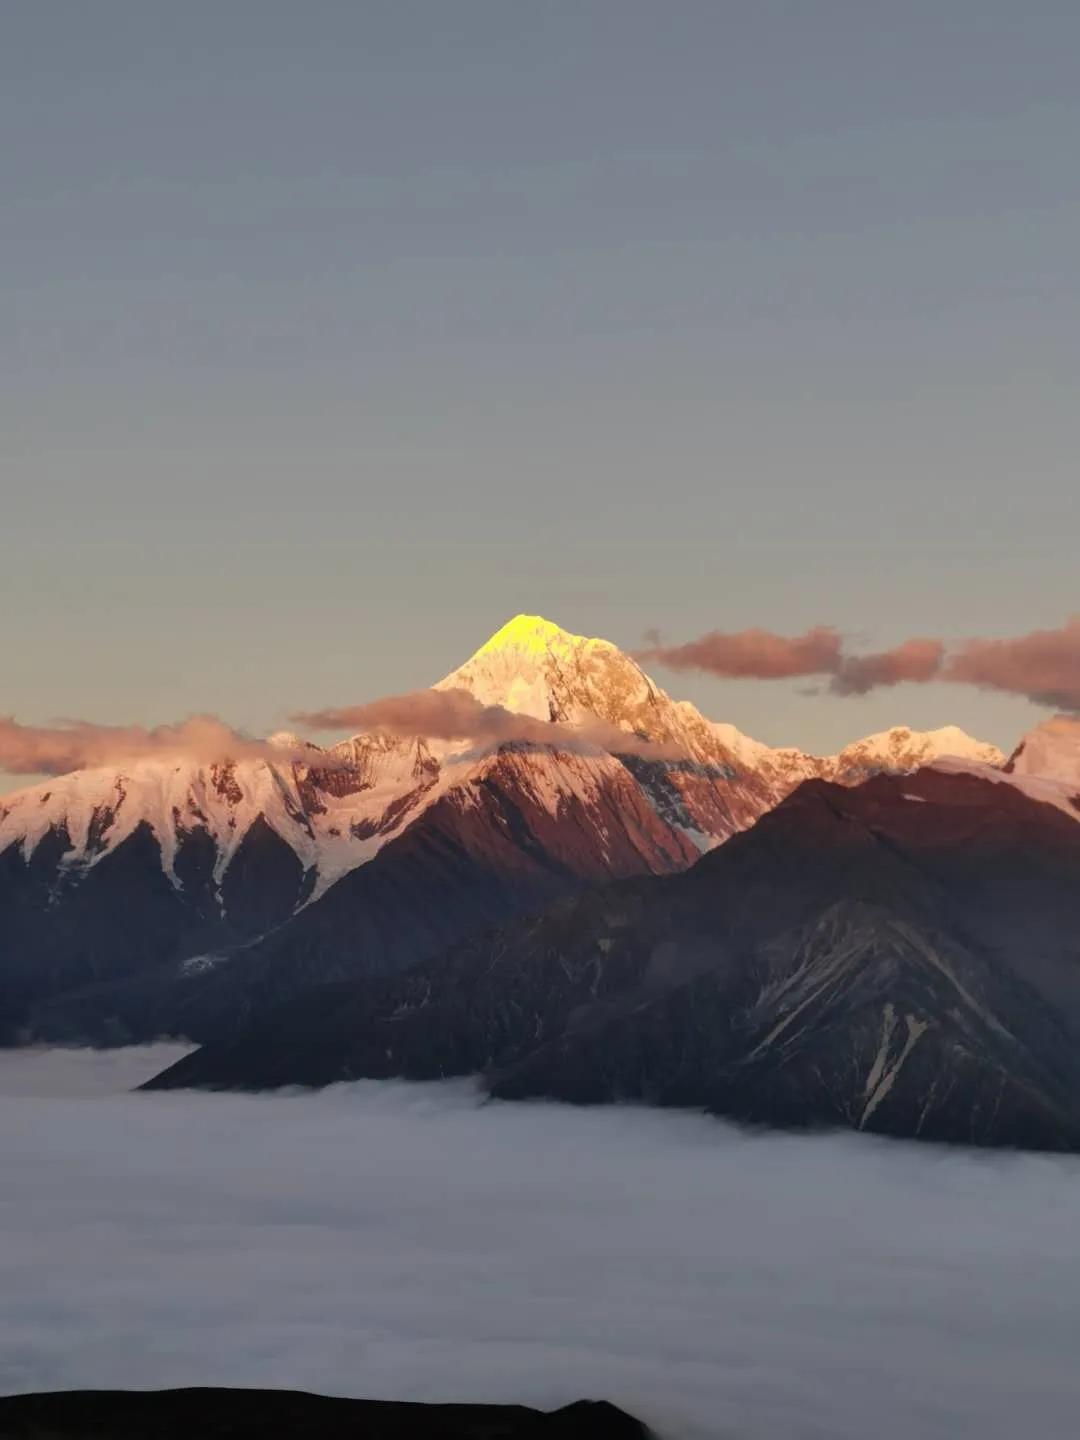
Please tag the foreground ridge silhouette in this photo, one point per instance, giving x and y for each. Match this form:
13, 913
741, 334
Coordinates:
228, 1414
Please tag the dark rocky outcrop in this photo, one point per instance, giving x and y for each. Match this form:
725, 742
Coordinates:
123, 922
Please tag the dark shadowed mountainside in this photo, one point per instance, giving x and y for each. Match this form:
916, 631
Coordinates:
901, 957
480, 855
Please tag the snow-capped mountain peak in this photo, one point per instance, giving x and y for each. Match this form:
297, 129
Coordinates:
901, 748
533, 667
526, 635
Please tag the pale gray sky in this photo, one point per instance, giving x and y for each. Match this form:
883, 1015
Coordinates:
333, 334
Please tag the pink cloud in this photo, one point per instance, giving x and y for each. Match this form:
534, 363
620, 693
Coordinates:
753, 654
79, 745
458, 715
1044, 665
913, 660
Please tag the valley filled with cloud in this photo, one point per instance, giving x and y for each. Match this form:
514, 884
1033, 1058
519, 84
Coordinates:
393, 1240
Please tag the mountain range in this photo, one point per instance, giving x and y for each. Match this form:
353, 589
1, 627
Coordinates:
899, 957
169, 894
283, 914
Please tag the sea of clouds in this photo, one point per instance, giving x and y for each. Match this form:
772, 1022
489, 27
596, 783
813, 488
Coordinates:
415, 1242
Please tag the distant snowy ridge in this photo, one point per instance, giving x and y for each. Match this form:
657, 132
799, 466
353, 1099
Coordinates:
1045, 765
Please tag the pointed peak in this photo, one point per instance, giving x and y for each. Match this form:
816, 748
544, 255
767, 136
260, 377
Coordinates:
532, 635
534, 667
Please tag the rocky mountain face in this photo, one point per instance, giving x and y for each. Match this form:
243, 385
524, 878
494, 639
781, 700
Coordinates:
170, 897
900, 957
105, 875
511, 839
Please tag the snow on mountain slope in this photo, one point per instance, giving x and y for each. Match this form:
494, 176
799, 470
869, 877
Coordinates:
98, 809
532, 667
903, 749
1051, 751
335, 812
1060, 794
705, 793
1045, 765
332, 816
723, 780
582, 814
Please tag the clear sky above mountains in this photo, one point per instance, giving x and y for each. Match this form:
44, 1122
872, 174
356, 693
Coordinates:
335, 334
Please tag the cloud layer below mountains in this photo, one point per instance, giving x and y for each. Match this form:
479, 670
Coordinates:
414, 1242
1043, 666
